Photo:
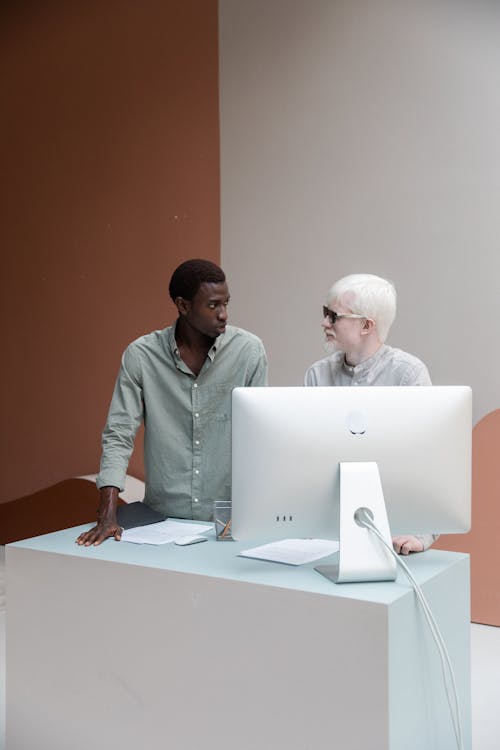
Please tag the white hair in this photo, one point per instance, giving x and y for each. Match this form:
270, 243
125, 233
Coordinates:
367, 295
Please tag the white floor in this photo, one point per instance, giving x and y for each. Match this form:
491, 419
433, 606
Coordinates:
485, 647
2, 649
485, 661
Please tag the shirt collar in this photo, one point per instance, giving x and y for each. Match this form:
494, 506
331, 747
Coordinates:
172, 344
364, 367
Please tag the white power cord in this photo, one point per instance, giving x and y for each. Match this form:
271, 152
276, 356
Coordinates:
363, 518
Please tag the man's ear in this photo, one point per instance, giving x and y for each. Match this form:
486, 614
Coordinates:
368, 326
183, 305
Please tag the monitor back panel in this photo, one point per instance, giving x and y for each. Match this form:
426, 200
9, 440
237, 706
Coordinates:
287, 444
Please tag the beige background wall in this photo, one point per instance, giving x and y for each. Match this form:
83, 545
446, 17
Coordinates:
364, 136
110, 178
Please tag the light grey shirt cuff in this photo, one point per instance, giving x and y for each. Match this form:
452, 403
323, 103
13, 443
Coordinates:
427, 539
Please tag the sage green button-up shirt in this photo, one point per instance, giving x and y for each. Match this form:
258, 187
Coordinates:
187, 419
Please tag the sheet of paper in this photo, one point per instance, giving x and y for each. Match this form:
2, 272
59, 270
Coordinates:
293, 551
163, 532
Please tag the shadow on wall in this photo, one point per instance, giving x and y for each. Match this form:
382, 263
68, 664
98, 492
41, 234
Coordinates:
483, 541
68, 503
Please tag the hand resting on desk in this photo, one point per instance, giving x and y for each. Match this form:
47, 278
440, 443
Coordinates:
406, 544
107, 525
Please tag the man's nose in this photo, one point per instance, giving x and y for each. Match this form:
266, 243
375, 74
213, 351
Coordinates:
222, 313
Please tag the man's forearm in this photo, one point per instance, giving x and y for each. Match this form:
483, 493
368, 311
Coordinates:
108, 501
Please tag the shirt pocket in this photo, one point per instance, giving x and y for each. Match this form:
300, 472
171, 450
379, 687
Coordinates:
216, 401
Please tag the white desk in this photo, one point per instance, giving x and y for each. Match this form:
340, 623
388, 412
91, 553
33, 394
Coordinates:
129, 647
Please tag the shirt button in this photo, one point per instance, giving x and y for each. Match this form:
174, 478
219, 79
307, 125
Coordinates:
196, 442
195, 385
196, 499
196, 471
196, 415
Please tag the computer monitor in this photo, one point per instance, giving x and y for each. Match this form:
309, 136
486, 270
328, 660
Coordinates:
288, 445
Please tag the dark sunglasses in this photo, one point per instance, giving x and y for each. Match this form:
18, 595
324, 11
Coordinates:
333, 316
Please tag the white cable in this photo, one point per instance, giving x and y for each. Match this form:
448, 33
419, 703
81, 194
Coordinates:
363, 518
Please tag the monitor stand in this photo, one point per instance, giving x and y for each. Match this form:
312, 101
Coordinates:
362, 557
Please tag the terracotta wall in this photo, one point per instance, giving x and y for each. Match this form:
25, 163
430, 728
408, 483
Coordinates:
110, 178
484, 537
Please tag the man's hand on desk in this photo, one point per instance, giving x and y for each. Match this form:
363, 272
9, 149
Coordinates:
99, 533
107, 524
406, 544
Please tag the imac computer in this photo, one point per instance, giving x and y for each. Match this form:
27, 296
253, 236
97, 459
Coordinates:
305, 459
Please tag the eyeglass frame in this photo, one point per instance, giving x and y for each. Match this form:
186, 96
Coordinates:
334, 316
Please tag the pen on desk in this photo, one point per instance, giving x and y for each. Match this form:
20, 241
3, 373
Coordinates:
226, 525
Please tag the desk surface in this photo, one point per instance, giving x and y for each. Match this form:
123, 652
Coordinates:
220, 560
260, 638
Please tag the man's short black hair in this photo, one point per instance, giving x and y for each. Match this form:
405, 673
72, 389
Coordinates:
190, 275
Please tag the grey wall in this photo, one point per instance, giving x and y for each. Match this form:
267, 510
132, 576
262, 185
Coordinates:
364, 136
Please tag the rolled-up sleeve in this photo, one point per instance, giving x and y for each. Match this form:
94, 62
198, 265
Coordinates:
124, 418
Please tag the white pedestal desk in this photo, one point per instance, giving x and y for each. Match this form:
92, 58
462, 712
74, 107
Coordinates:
125, 646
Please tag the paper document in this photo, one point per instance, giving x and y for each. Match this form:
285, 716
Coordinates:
293, 551
163, 532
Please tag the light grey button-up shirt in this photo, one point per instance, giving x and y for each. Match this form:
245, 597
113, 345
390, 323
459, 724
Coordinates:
187, 418
388, 366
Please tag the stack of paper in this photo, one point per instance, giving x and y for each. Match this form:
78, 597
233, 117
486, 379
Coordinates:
293, 551
163, 532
